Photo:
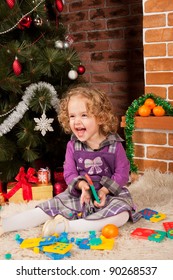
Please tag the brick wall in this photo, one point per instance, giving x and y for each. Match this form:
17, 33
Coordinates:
154, 147
123, 43
108, 38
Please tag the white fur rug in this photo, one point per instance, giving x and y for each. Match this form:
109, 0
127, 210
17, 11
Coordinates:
153, 190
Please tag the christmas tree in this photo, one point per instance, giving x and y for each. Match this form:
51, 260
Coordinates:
38, 64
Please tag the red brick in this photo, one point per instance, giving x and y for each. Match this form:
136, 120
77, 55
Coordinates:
116, 11
69, 18
106, 34
159, 78
170, 166
163, 153
159, 35
92, 46
151, 6
159, 91
139, 151
144, 164
149, 137
78, 37
154, 50
124, 22
170, 92
85, 5
162, 64
154, 20
108, 77
170, 139
170, 19
97, 67
110, 55
170, 49
119, 88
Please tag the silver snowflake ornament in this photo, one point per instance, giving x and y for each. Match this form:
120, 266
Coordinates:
43, 124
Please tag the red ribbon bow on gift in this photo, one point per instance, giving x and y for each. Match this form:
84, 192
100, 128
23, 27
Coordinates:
24, 182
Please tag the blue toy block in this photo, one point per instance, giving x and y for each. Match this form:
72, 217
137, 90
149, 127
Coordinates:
63, 237
48, 240
147, 213
84, 244
19, 240
55, 256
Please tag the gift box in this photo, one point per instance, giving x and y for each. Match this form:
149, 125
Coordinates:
43, 175
27, 188
39, 192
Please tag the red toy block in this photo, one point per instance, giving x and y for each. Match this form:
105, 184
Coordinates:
143, 233
168, 225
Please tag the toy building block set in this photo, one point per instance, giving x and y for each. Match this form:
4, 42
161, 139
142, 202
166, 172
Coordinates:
57, 247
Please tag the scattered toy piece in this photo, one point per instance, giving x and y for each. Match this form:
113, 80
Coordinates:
8, 256
147, 213
157, 217
170, 233
142, 232
58, 248
152, 215
107, 244
158, 236
168, 225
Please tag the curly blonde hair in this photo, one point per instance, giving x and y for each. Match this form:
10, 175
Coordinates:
98, 105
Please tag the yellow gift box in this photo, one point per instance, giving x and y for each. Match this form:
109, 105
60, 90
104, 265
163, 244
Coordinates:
39, 192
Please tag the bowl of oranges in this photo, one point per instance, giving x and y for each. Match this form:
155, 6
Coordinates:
150, 108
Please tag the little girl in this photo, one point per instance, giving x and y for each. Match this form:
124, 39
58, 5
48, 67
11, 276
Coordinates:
94, 149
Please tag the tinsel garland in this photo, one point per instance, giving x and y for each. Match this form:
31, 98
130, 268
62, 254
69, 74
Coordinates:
23, 105
130, 123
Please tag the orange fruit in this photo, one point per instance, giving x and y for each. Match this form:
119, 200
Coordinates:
110, 231
158, 111
150, 103
144, 111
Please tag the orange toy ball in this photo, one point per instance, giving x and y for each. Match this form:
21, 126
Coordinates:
158, 111
149, 102
144, 111
110, 231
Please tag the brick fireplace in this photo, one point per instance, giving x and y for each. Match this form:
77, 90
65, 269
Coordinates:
153, 136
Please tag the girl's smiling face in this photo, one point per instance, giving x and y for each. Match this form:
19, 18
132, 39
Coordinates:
82, 123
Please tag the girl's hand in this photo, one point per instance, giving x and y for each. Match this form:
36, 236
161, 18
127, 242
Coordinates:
85, 195
102, 193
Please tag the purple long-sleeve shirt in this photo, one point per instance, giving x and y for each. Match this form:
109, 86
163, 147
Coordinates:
120, 174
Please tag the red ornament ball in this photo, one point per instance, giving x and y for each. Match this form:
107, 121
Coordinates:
59, 5
17, 67
25, 22
11, 3
110, 231
81, 70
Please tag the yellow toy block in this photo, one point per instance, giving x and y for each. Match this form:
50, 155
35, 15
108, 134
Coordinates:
107, 244
58, 248
36, 250
30, 242
157, 217
39, 241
